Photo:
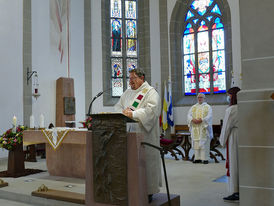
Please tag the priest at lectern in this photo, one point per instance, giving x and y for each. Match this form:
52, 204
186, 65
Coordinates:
141, 102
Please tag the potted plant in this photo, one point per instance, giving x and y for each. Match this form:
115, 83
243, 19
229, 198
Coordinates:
12, 140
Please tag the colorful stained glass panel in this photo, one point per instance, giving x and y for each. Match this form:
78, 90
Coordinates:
131, 28
132, 47
203, 62
189, 15
188, 29
188, 44
190, 85
116, 34
217, 24
116, 47
117, 87
202, 27
218, 59
202, 39
189, 64
117, 67
216, 9
219, 82
201, 5
131, 64
116, 9
130, 9
116, 28
218, 41
204, 83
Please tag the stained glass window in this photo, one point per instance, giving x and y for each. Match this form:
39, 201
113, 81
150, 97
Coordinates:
124, 43
203, 49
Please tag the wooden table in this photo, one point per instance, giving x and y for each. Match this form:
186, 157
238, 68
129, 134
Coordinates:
69, 159
186, 145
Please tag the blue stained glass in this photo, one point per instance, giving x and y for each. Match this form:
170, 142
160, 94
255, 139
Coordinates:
209, 18
189, 65
189, 15
116, 35
195, 21
201, 5
116, 28
217, 24
130, 9
131, 28
216, 9
188, 43
188, 29
116, 10
219, 82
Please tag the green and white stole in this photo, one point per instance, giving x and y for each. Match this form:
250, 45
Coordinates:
139, 97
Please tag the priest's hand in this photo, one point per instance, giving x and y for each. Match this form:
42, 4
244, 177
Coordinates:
197, 121
127, 112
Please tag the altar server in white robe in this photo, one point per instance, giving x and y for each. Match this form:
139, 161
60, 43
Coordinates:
200, 126
142, 103
229, 138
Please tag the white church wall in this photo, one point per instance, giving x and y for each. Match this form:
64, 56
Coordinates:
155, 55
77, 57
96, 63
46, 61
11, 64
180, 113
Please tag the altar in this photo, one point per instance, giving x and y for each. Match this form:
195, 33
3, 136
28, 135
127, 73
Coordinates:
69, 159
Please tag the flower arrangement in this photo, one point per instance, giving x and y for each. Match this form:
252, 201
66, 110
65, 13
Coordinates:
87, 123
10, 139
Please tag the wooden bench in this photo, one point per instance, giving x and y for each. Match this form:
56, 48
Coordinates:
183, 130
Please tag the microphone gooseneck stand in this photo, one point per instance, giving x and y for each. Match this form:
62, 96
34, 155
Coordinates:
164, 166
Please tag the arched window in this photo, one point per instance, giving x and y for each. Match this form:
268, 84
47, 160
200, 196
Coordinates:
203, 49
123, 43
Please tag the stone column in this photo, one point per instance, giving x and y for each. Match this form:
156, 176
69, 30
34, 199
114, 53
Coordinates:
256, 107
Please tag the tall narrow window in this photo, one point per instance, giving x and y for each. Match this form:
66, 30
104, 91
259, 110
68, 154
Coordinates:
123, 47
204, 68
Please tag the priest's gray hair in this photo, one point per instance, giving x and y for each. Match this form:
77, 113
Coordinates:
201, 95
139, 72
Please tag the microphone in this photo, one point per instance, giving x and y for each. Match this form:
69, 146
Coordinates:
98, 95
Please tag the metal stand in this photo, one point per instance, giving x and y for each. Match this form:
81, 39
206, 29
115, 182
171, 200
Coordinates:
164, 166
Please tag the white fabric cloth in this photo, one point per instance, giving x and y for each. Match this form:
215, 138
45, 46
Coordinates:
202, 133
230, 133
147, 114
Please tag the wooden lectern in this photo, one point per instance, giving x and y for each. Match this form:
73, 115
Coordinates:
115, 163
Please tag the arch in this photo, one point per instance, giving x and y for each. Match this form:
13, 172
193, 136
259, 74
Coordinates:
182, 13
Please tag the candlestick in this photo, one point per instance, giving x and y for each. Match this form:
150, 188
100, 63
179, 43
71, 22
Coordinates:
14, 121
31, 121
42, 123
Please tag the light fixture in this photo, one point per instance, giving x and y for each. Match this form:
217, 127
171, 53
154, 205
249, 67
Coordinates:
35, 92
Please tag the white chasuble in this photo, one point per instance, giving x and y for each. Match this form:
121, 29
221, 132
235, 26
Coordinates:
146, 111
200, 133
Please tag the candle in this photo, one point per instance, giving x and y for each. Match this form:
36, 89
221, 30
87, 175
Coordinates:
14, 120
31, 121
42, 123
